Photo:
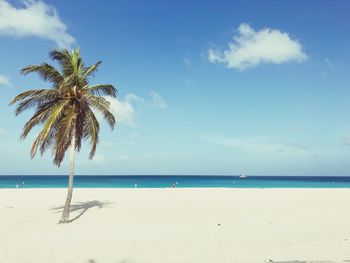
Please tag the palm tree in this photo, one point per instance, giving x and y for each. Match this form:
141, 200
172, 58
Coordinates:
65, 110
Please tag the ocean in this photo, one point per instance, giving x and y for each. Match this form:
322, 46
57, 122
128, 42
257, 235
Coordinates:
175, 181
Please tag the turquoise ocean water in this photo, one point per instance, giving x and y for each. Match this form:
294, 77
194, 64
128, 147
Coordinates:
178, 181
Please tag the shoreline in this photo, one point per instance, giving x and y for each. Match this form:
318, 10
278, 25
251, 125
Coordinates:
189, 188
257, 182
168, 225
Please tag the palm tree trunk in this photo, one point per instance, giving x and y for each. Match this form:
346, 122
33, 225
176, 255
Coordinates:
66, 210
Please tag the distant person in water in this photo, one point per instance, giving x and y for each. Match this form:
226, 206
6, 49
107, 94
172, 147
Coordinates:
173, 185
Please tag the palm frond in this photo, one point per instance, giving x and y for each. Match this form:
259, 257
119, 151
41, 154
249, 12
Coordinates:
35, 146
92, 129
102, 90
36, 100
26, 94
77, 63
55, 115
45, 137
109, 117
64, 135
43, 143
39, 117
97, 101
68, 84
46, 72
49, 141
89, 71
103, 106
83, 107
63, 57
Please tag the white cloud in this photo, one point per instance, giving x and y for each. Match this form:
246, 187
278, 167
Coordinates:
132, 97
252, 145
35, 18
251, 48
123, 109
4, 80
157, 101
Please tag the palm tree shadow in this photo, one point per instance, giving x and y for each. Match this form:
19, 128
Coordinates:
82, 207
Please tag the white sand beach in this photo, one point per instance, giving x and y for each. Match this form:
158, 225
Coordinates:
176, 225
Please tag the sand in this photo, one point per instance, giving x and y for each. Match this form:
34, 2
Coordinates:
176, 225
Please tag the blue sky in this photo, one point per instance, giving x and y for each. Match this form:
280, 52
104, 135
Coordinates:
205, 87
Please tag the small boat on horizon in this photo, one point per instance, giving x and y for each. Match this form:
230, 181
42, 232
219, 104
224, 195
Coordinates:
243, 176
